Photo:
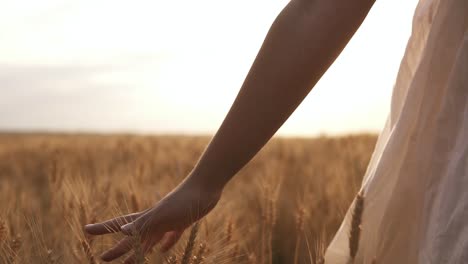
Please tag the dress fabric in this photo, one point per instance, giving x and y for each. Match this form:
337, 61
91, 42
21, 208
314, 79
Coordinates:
415, 188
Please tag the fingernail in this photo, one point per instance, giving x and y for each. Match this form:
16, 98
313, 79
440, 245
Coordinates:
127, 228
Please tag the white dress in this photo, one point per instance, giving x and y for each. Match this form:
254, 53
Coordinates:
415, 189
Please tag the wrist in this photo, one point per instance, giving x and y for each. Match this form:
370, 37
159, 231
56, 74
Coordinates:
206, 182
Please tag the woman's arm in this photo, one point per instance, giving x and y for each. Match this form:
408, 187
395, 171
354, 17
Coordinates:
304, 40
302, 43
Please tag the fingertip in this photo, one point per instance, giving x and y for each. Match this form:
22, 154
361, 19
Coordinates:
127, 229
109, 256
90, 229
105, 258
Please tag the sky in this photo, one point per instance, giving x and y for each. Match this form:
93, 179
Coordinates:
176, 66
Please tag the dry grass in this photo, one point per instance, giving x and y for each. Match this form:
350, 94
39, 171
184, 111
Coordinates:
284, 207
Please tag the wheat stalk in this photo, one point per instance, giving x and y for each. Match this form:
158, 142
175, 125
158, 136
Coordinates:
16, 243
51, 258
171, 260
190, 244
199, 257
3, 231
356, 221
88, 252
299, 230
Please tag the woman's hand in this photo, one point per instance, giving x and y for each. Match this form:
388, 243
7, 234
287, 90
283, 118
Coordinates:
165, 222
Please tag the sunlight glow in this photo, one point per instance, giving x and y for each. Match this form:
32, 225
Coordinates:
176, 66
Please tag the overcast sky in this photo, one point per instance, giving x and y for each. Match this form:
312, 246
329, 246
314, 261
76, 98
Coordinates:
114, 66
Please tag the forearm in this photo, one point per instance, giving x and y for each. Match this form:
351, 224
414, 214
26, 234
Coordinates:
302, 43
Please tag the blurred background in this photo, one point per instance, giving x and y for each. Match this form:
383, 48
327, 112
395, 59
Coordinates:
175, 67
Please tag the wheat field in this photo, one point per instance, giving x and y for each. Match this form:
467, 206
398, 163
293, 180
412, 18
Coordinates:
283, 207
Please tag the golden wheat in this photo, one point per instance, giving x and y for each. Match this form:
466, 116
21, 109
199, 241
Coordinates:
190, 244
66, 181
3, 231
356, 221
199, 256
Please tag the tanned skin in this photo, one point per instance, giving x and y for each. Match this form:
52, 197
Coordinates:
305, 39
